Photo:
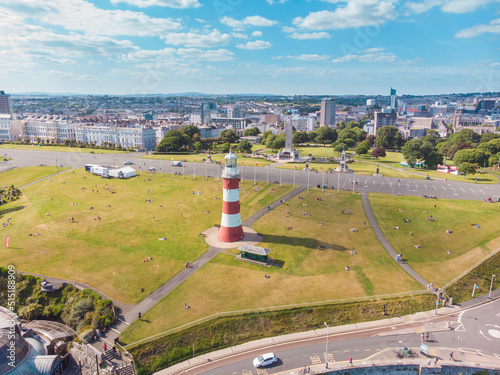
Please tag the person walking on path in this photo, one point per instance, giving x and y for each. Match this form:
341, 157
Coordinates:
436, 361
350, 361
451, 357
105, 347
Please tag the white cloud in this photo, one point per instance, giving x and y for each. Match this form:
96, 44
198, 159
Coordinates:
306, 57
271, 2
369, 55
82, 16
213, 39
493, 27
239, 35
257, 33
448, 6
317, 35
178, 4
191, 54
247, 21
258, 44
353, 13
288, 29
200, 20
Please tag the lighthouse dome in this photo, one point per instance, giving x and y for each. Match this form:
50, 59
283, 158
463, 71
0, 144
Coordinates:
230, 156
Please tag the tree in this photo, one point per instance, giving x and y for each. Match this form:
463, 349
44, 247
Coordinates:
433, 159
300, 137
245, 146
225, 148
265, 135
378, 152
473, 156
339, 147
228, 135
251, 132
365, 144
349, 142
411, 151
325, 135
493, 160
173, 141
198, 146
361, 149
486, 137
466, 168
371, 139
389, 137
190, 130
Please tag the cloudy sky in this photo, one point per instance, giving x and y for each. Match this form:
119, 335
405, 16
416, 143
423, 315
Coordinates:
250, 46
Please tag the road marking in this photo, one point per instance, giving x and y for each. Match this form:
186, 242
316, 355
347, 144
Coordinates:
487, 338
425, 187
482, 191
443, 187
390, 183
452, 188
435, 187
315, 359
459, 319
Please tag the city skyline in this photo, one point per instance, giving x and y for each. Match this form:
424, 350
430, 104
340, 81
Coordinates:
283, 47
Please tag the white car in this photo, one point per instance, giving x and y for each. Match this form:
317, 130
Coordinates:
265, 360
128, 162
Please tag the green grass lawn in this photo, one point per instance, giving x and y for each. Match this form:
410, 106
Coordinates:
307, 274
22, 176
108, 254
57, 148
467, 244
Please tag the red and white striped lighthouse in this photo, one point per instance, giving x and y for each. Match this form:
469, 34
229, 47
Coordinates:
231, 229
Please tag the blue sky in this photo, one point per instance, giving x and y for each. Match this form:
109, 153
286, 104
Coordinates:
250, 46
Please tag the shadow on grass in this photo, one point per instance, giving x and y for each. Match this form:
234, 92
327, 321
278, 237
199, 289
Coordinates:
9, 210
310, 243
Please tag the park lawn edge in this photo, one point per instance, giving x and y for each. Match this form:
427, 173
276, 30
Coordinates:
224, 332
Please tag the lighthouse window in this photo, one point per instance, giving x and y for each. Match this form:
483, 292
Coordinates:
231, 163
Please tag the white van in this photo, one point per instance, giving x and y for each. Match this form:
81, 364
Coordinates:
152, 169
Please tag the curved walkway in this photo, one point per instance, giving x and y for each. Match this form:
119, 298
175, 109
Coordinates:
388, 247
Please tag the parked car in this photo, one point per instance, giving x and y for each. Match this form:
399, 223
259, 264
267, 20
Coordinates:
265, 360
128, 162
176, 164
152, 169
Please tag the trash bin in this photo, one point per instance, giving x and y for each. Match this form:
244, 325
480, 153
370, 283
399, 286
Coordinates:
319, 186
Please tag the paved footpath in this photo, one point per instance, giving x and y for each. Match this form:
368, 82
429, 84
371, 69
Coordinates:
388, 247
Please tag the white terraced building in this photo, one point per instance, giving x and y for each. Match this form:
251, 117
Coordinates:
138, 137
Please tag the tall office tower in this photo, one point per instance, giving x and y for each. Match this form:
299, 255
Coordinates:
394, 99
205, 112
327, 116
5, 103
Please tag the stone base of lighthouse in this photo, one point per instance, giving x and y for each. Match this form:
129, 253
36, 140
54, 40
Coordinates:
228, 234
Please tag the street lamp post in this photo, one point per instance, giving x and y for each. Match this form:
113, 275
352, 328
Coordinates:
326, 353
281, 173
194, 169
206, 177
437, 302
161, 169
172, 167
308, 172
254, 174
323, 181
267, 175
491, 285
294, 177
353, 183
338, 182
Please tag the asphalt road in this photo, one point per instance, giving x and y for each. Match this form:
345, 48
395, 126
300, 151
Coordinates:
474, 330
272, 173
